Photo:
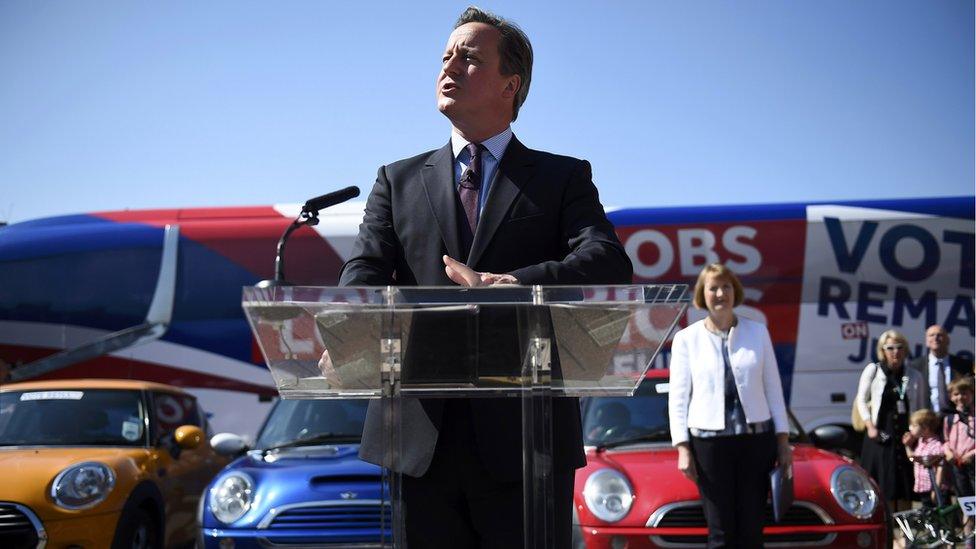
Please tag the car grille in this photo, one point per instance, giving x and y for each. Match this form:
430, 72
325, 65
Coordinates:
17, 530
332, 515
692, 515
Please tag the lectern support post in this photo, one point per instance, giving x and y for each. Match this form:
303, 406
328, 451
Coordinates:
537, 468
390, 402
391, 352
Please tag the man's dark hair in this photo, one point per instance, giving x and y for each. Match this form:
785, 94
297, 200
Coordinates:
514, 49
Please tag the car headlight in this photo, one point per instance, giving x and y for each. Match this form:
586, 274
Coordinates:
231, 497
853, 491
608, 495
82, 485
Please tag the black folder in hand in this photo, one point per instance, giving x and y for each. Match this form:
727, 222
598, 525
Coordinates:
781, 490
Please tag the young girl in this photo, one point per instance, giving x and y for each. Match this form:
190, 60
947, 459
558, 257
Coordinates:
923, 426
958, 433
958, 430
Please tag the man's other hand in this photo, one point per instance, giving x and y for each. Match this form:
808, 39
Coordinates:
328, 370
463, 275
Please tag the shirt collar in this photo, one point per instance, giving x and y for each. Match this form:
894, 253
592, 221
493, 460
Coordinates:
933, 360
495, 144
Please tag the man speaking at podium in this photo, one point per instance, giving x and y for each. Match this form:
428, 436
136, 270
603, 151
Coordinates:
481, 210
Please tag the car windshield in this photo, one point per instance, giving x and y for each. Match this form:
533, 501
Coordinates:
72, 417
293, 422
613, 421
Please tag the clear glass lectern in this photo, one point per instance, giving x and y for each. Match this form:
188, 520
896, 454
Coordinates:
527, 342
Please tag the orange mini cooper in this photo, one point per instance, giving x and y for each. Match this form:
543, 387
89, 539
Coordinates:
90, 463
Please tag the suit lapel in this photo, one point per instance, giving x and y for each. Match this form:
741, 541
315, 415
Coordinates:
514, 173
438, 178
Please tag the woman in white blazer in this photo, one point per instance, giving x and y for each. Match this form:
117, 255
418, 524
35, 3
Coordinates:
887, 394
727, 412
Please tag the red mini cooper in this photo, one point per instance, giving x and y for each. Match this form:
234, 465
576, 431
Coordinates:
631, 494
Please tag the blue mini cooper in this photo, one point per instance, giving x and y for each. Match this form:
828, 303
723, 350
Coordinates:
302, 484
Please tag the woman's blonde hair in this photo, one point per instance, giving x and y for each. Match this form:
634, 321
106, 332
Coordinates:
926, 418
883, 340
719, 271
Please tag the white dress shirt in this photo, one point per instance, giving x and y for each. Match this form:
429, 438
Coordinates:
934, 380
495, 147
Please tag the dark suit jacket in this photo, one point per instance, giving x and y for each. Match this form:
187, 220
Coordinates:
960, 367
542, 222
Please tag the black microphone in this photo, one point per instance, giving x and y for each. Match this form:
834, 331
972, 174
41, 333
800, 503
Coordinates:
330, 199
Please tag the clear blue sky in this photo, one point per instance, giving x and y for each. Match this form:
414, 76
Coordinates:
113, 105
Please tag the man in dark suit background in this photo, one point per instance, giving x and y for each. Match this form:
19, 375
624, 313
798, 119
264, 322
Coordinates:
482, 210
938, 368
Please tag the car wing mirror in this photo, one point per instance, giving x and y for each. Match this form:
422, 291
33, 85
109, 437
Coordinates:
829, 436
188, 437
228, 444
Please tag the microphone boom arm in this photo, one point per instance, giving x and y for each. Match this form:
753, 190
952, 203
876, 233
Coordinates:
308, 216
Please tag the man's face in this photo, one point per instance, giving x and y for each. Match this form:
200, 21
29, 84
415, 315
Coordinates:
937, 340
470, 87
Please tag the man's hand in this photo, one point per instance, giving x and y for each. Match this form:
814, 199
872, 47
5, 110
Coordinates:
328, 370
463, 275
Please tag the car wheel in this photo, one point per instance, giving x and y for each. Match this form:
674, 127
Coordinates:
137, 530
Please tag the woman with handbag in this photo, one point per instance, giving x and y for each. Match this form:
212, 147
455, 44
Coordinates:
887, 394
727, 412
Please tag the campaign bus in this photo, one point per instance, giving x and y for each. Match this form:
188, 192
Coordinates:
156, 294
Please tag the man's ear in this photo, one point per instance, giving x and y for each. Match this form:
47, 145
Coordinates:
512, 86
